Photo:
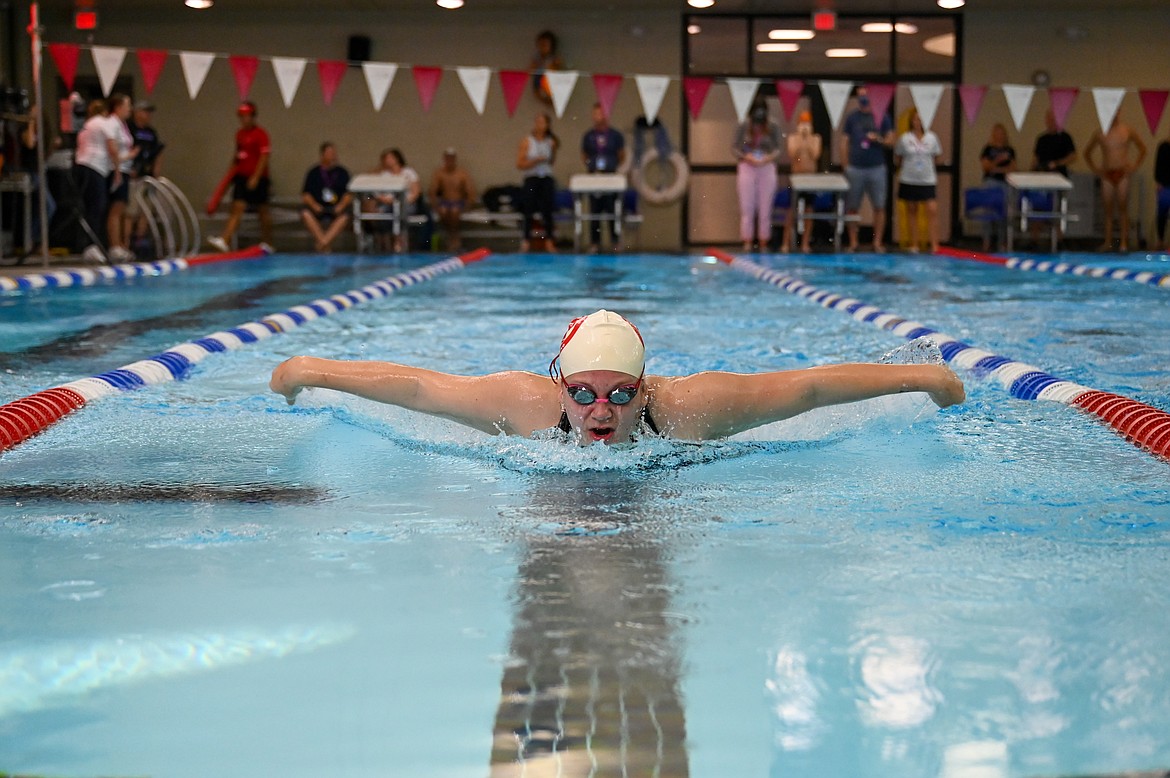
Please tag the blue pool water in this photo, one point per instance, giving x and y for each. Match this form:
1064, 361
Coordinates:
197, 579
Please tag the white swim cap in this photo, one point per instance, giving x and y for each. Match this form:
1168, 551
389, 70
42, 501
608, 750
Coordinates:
602, 341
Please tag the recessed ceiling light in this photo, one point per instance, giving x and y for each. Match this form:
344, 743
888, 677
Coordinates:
950, 5
450, 5
694, 29
877, 27
846, 53
791, 35
700, 3
906, 28
772, 48
198, 4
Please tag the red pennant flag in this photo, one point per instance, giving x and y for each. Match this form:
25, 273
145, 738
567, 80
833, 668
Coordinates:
971, 96
65, 56
513, 83
330, 72
426, 80
151, 62
1061, 99
244, 69
607, 88
789, 92
1153, 103
880, 96
695, 88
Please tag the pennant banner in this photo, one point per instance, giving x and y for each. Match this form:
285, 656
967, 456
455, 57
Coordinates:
1108, 100
330, 72
513, 83
1060, 100
65, 57
971, 96
926, 98
1019, 97
742, 92
475, 82
150, 62
244, 69
560, 86
696, 88
379, 76
880, 96
607, 88
651, 90
836, 94
107, 60
195, 65
288, 72
1153, 103
789, 92
426, 81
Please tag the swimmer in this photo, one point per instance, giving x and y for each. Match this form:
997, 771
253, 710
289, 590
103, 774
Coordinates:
1114, 173
597, 390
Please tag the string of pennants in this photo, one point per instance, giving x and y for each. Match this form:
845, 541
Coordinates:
289, 72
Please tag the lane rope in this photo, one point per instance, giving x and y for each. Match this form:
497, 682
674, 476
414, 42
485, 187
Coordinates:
1145, 426
28, 416
1144, 277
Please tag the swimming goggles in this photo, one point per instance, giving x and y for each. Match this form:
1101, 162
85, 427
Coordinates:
583, 395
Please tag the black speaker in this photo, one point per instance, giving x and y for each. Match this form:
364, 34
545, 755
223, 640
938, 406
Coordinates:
358, 49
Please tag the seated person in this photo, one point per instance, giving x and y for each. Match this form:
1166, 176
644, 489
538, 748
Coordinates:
326, 199
452, 192
392, 162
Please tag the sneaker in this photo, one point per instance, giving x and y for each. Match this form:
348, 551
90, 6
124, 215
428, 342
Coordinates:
119, 254
218, 243
93, 253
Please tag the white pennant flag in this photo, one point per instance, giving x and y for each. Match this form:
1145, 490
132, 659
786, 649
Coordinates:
108, 61
288, 71
560, 84
475, 81
742, 92
379, 76
836, 94
195, 66
651, 89
1019, 97
1108, 100
926, 98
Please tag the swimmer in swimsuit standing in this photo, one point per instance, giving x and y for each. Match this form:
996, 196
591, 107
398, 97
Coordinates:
1114, 173
597, 390
451, 192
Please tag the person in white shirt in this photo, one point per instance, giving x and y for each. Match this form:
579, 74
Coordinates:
917, 153
123, 151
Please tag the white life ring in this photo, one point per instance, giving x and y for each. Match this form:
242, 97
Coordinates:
666, 195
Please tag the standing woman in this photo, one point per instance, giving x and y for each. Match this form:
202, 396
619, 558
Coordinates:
998, 158
92, 164
918, 152
123, 152
756, 148
535, 158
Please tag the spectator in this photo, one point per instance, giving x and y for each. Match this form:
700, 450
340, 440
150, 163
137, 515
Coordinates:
325, 199
603, 150
28, 161
392, 162
804, 155
1055, 149
123, 153
864, 141
148, 162
250, 181
452, 191
535, 157
1114, 172
93, 163
544, 59
1162, 191
756, 148
918, 152
997, 159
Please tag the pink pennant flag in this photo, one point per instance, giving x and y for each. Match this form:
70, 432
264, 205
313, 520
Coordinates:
65, 56
880, 96
330, 72
971, 96
244, 69
426, 80
607, 88
513, 83
1061, 99
1153, 103
151, 62
696, 88
789, 92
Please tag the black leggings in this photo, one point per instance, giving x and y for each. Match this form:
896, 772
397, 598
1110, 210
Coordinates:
95, 198
1162, 214
540, 196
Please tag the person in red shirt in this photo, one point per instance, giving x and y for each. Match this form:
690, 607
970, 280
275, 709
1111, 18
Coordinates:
249, 178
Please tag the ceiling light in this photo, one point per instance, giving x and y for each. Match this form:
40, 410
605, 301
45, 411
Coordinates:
791, 35
450, 5
694, 29
950, 5
906, 28
846, 53
198, 4
700, 3
877, 27
775, 48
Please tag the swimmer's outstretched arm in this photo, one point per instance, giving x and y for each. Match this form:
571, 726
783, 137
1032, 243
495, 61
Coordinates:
516, 403
714, 405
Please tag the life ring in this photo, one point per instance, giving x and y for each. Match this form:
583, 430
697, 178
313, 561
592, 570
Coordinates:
668, 194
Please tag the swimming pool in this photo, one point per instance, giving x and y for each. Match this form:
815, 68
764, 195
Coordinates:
198, 579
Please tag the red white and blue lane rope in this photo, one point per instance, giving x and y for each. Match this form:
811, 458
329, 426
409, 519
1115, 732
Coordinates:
90, 276
1144, 425
1144, 277
23, 418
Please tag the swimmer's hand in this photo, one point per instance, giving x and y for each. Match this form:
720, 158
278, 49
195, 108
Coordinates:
948, 388
287, 380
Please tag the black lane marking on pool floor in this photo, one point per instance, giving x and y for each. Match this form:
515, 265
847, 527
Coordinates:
276, 494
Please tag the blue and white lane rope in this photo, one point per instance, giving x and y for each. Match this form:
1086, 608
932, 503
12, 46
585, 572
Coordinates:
21, 419
1021, 380
1145, 277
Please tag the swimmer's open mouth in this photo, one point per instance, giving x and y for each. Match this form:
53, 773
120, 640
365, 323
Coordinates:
601, 433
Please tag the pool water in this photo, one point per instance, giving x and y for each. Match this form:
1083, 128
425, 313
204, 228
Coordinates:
197, 579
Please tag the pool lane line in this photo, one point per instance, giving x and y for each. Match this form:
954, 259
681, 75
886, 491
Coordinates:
90, 276
1144, 277
1145, 426
23, 418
